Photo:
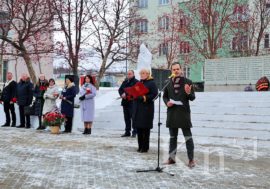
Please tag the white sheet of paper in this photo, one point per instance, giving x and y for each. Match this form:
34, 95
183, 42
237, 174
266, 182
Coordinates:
176, 102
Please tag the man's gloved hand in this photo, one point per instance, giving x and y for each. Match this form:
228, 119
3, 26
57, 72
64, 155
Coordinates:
82, 97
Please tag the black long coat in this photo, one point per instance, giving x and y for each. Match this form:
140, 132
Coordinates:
121, 90
143, 110
39, 91
178, 116
9, 92
70, 93
24, 93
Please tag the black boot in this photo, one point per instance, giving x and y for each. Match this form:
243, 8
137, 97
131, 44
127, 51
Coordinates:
89, 131
85, 131
41, 127
5, 125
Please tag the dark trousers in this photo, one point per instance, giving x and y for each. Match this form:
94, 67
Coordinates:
143, 139
23, 117
9, 108
40, 121
173, 142
68, 124
128, 119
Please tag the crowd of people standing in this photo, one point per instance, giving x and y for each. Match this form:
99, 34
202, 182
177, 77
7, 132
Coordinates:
138, 108
40, 98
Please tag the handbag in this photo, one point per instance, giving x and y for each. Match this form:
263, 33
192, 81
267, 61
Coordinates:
29, 110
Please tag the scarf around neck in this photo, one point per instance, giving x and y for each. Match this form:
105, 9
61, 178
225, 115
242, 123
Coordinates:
8, 82
176, 84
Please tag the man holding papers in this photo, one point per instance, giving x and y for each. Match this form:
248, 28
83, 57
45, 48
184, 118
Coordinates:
176, 96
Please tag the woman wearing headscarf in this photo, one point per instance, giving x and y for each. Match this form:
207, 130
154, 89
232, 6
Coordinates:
143, 111
88, 93
68, 95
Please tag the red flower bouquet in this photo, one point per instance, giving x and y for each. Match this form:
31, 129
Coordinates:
43, 88
137, 90
53, 119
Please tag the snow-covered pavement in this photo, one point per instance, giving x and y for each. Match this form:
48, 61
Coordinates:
232, 148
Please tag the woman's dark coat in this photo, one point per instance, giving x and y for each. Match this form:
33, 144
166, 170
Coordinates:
39, 91
143, 108
178, 116
69, 93
24, 93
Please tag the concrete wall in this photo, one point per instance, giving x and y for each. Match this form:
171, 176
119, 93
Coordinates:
233, 74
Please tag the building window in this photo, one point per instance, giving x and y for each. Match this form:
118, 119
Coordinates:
244, 43
4, 23
267, 5
163, 49
240, 43
184, 47
5, 70
240, 13
182, 24
205, 44
215, 17
163, 2
266, 41
186, 71
142, 26
163, 23
204, 18
234, 44
142, 3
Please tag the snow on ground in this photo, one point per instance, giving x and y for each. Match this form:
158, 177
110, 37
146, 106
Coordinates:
231, 132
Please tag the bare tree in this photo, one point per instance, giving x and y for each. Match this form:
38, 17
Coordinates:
208, 25
73, 18
27, 20
111, 21
261, 17
170, 27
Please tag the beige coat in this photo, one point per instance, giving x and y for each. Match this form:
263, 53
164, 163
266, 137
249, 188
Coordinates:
50, 100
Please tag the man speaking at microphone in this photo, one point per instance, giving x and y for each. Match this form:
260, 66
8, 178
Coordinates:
176, 96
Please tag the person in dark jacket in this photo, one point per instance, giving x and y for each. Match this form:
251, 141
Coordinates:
8, 97
24, 98
39, 91
127, 103
67, 96
176, 96
143, 111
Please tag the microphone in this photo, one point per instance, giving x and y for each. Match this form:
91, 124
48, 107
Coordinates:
171, 76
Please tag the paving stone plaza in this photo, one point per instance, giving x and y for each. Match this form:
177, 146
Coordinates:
232, 151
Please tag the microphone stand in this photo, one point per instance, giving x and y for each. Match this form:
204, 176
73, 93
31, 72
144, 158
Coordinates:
158, 168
